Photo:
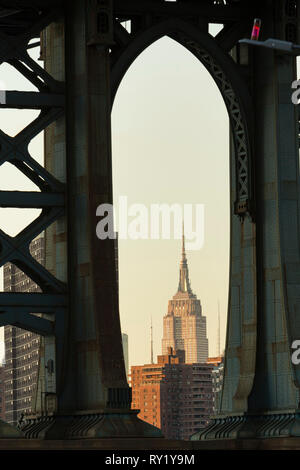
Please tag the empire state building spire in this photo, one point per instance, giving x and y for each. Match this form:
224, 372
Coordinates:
184, 282
184, 324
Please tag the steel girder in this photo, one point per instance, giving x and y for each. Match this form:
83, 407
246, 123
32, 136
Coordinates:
210, 10
42, 313
89, 394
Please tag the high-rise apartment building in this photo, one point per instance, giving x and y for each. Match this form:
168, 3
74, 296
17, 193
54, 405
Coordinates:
184, 324
124, 335
2, 392
21, 347
172, 395
217, 380
125, 352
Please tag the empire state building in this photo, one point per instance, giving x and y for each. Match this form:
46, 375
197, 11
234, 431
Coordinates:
184, 324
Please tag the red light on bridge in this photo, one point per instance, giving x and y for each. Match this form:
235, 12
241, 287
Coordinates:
256, 29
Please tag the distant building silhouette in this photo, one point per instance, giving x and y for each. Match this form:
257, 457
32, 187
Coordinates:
125, 352
124, 335
184, 324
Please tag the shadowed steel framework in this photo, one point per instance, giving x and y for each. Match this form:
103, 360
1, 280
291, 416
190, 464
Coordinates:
82, 389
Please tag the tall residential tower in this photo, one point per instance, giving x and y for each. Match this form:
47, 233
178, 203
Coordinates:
21, 347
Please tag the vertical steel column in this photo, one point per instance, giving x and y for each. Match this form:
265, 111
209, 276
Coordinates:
276, 386
271, 404
93, 398
42, 313
52, 363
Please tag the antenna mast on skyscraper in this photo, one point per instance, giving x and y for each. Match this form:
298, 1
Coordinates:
219, 332
151, 335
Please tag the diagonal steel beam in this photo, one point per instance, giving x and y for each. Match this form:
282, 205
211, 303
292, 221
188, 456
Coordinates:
29, 74
37, 174
45, 118
33, 45
38, 273
5, 12
16, 47
51, 83
121, 34
16, 250
23, 239
231, 33
14, 150
15, 145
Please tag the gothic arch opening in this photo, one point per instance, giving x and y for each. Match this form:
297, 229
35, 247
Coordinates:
171, 145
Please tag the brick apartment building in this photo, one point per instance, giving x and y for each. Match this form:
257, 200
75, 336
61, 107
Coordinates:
172, 395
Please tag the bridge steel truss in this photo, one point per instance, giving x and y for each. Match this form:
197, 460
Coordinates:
88, 47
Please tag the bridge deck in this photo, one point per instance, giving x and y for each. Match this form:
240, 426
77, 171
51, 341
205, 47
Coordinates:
292, 443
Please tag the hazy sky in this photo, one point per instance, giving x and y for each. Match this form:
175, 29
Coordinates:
170, 145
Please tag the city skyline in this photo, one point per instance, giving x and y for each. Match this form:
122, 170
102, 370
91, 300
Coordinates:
186, 115
181, 108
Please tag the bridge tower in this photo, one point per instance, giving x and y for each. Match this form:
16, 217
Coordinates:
82, 390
